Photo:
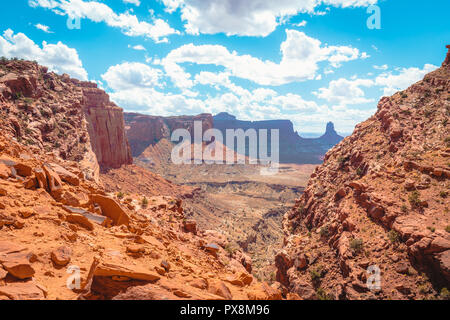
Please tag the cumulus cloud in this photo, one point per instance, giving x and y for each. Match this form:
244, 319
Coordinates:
344, 92
138, 47
135, 2
135, 86
249, 17
132, 75
300, 57
58, 57
300, 24
403, 79
43, 27
129, 24
382, 67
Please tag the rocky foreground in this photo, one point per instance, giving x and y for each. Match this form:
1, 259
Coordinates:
381, 198
65, 235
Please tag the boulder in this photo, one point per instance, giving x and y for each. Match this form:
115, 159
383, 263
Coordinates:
124, 269
23, 170
61, 256
190, 226
111, 209
5, 171
54, 182
219, 288
21, 291
80, 220
283, 262
212, 248
18, 267
64, 174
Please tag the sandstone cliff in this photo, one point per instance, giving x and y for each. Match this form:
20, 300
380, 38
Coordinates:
379, 199
143, 130
52, 113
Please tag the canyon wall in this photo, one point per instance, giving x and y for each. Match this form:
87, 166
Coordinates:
56, 114
143, 130
380, 200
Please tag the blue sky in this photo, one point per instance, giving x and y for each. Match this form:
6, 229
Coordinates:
310, 61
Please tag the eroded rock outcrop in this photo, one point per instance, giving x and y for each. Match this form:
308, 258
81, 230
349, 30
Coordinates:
144, 130
379, 202
72, 119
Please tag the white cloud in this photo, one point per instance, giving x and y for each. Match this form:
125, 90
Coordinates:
135, 2
344, 92
138, 47
382, 67
249, 17
131, 75
58, 57
300, 57
405, 77
129, 24
135, 87
43, 27
300, 24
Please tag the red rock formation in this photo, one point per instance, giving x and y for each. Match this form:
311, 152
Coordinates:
74, 119
106, 129
447, 58
123, 247
143, 130
379, 199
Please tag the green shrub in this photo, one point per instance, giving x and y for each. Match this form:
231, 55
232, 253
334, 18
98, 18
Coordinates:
394, 236
414, 198
445, 294
120, 195
447, 228
316, 274
144, 202
447, 141
356, 245
323, 295
324, 232
443, 194
359, 172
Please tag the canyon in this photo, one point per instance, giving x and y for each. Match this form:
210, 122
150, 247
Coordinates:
88, 189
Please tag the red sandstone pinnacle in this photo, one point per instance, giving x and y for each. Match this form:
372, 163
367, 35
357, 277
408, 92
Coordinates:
447, 58
107, 129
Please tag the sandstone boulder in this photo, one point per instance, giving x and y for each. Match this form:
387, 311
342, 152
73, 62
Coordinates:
61, 256
21, 291
111, 209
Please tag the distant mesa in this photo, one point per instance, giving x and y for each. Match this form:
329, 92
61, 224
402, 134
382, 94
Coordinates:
224, 116
144, 132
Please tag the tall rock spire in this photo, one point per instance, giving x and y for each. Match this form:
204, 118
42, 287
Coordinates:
447, 58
